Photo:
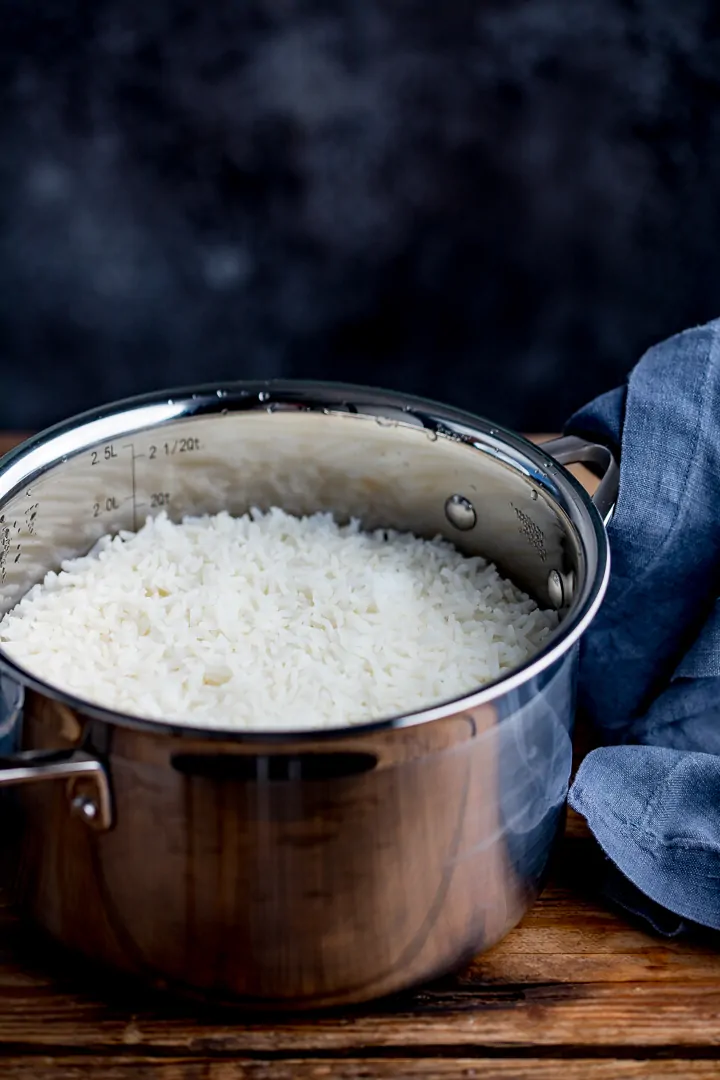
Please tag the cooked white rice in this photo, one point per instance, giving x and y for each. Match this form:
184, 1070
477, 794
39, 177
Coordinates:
272, 621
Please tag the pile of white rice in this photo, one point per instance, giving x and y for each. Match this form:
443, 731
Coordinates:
272, 621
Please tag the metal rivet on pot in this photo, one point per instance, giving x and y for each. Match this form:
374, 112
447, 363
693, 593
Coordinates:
84, 807
560, 588
460, 512
555, 589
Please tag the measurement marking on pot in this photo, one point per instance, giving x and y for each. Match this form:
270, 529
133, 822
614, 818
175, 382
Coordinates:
107, 453
531, 531
131, 448
10, 541
178, 446
30, 515
105, 505
4, 549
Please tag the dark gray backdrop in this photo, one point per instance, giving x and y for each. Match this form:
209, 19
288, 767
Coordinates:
496, 203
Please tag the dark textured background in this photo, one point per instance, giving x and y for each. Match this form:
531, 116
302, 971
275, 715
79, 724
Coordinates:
495, 203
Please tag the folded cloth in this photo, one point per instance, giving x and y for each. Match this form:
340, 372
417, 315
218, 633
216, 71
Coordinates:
650, 662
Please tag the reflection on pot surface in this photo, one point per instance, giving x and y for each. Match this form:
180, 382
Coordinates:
309, 868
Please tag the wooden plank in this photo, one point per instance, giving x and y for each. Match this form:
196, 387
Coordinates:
100, 1068
638, 1016
63, 1013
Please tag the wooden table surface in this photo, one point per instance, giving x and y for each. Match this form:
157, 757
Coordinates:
576, 992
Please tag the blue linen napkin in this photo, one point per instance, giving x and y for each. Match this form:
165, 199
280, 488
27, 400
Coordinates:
650, 662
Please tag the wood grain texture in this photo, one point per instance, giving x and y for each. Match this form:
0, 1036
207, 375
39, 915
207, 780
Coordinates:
99, 1068
575, 991
653, 1019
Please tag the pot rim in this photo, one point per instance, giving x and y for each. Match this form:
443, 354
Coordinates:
239, 396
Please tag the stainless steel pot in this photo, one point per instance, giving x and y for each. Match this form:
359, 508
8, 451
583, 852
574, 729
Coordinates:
321, 867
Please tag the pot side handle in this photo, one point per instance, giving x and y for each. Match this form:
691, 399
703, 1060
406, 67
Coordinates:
572, 450
87, 782
88, 785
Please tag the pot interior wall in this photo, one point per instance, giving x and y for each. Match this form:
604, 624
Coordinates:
389, 473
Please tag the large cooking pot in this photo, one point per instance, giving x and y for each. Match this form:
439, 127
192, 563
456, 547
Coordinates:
305, 868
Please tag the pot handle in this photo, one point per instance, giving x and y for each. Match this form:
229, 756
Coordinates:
87, 782
572, 450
